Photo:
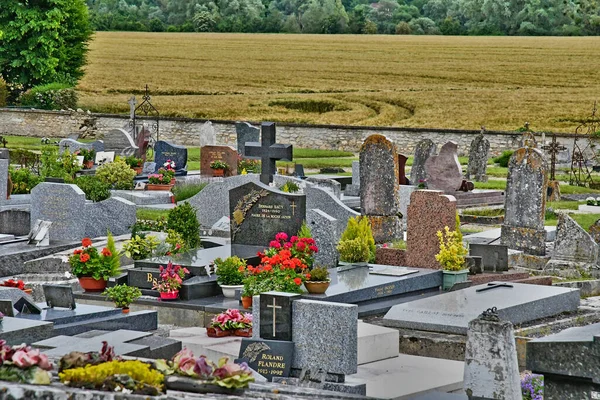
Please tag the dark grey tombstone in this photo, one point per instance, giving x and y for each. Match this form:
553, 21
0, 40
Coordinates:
19, 299
7, 308
15, 222
299, 171
245, 133
268, 152
493, 257
425, 149
276, 315
24, 306
164, 151
59, 296
270, 358
258, 213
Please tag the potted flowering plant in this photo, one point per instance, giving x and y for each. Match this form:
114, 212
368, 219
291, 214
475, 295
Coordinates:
22, 364
19, 284
231, 323
122, 295
171, 279
169, 165
452, 257
230, 275
88, 157
94, 268
161, 180
134, 163
219, 167
317, 280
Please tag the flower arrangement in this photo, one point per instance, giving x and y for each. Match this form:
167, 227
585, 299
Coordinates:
231, 322
169, 165
88, 262
303, 248
171, 278
230, 271
590, 201
452, 251
19, 284
77, 359
224, 374
23, 364
532, 386
162, 177
122, 295
218, 164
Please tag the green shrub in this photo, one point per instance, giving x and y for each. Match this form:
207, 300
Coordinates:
52, 96
58, 166
3, 93
504, 158
23, 180
319, 274
354, 250
228, 270
94, 189
360, 228
116, 174
140, 247
122, 295
304, 231
182, 219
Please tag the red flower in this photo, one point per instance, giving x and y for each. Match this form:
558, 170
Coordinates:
314, 248
84, 257
106, 252
308, 276
294, 239
298, 281
86, 242
301, 246
78, 251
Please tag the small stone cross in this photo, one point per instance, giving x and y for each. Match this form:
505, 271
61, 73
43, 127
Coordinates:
274, 306
494, 286
132, 103
553, 149
268, 151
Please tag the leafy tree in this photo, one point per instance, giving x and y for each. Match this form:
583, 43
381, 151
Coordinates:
44, 41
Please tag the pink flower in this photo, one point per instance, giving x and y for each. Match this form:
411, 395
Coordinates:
281, 236
202, 368
24, 359
184, 361
294, 239
287, 245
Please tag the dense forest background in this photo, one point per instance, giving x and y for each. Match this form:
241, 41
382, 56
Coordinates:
429, 17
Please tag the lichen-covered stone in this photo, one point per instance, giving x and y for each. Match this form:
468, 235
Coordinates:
478, 157
444, 171
424, 149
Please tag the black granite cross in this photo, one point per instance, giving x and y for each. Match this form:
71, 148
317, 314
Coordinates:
553, 148
268, 152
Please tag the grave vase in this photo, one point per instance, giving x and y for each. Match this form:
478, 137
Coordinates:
90, 284
169, 295
138, 170
125, 310
247, 301
452, 277
316, 287
229, 290
218, 172
89, 164
153, 186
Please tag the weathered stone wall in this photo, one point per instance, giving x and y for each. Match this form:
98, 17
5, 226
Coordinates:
185, 131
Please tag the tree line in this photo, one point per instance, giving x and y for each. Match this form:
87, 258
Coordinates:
447, 17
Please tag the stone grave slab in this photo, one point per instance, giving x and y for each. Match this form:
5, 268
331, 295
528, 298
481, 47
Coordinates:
6, 237
208, 136
164, 151
208, 154
245, 133
61, 345
317, 198
121, 142
73, 145
424, 149
4, 163
269, 358
15, 222
451, 312
61, 316
478, 157
18, 330
493, 257
114, 214
323, 228
259, 212
276, 315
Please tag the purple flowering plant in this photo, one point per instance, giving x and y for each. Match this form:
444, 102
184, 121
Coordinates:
532, 386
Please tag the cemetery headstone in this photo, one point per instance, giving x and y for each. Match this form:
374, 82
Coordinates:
61, 204
276, 315
491, 374
354, 188
59, 296
114, 214
525, 202
323, 228
121, 142
402, 179
478, 157
444, 171
270, 358
164, 151
425, 149
334, 187
421, 235
317, 198
6, 308
575, 251
299, 171
258, 213
245, 133
74, 145
405, 192
379, 187
268, 152
208, 135
494, 258
208, 154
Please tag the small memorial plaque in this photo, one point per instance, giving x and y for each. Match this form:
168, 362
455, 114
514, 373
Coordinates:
25, 306
59, 296
276, 315
270, 358
6, 308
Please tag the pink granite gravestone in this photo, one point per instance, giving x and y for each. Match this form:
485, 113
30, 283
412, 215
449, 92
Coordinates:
444, 171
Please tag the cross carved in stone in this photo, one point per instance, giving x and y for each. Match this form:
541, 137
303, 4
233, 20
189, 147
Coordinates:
553, 149
268, 152
274, 306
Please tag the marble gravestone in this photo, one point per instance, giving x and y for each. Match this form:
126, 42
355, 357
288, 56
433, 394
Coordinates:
228, 155
379, 176
444, 171
208, 136
425, 149
245, 133
525, 202
63, 205
478, 157
164, 151
258, 212
74, 145
121, 142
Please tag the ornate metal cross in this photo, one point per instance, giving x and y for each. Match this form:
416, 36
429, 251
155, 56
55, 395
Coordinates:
494, 285
268, 152
274, 307
553, 149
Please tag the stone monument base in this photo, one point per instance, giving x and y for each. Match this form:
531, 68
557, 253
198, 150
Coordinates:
529, 240
385, 228
571, 269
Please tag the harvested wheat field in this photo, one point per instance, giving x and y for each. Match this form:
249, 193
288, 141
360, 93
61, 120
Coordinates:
413, 81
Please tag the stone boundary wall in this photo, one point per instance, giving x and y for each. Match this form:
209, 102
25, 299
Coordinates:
185, 131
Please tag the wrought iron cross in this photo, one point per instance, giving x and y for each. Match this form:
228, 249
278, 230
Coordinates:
268, 152
274, 307
553, 149
494, 285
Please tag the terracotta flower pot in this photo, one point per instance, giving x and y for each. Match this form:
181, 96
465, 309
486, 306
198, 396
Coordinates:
218, 172
173, 181
88, 164
169, 295
125, 310
245, 332
138, 170
28, 291
154, 186
217, 332
247, 301
90, 284
316, 287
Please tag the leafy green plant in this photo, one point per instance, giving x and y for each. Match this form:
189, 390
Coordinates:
290, 187
87, 154
504, 158
318, 274
304, 231
62, 166
398, 244
139, 248
117, 174
230, 270
3, 93
175, 242
122, 295
360, 227
452, 250
182, 219
94, 189
52, 96
354, 250
23, 180
218, 164
248, 165
184, 191
134, 162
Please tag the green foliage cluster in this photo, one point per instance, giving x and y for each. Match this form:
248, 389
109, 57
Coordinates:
354, 250
228, 270
54, 165
251, 166
183, 191
94, 189
175, 242
319, 274
357, 235
51, 96
290, 187
402, 17
3, 93
134, 162
88, 262
140, 247
182, 219
117, 174
504, 158
23, 180
218, 164
122, 295
304, 231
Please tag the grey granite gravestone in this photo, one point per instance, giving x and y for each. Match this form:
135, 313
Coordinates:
525, 202
59, 296
451, 312
404, 194
424, 149
323, 228
334, 187
569, 361
114, 214
493, 257
354, 188
61, 204
575, 251
276, 315
164, 151
317, 198
478, 158
268, 151
208, 136
121, 142
258, 213
245, 133
379, 174
16, 331
15, 222
444, 171
19, 299
491, 374
74, 145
